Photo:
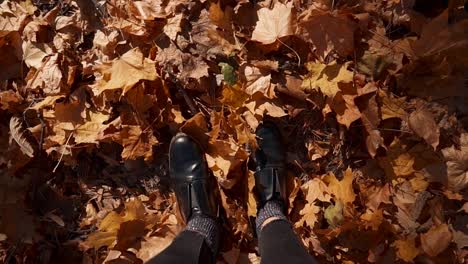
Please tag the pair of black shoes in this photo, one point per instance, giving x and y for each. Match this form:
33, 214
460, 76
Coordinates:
190, 173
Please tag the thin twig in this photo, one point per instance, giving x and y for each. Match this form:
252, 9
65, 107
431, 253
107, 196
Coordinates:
295, 52
63, 153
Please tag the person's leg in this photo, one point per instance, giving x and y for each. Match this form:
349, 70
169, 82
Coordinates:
199, 242
277, 241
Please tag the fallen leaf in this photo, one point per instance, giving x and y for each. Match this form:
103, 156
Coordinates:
436, 240
327, 78
273, 23
137, 142
373, 219
457, 164
423, 124
308, 215
34, 53
342, 190
327, 32
334, 214
406, 249
124, 72
392, 107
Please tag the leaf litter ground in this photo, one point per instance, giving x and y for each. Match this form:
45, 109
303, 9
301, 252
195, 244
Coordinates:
370, 97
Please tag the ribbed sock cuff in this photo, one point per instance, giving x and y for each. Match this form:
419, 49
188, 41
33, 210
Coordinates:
270, 209
207, 227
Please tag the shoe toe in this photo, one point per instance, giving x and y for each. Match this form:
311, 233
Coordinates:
185, 157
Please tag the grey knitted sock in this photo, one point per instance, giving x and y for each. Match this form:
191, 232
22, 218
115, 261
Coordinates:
207, 227
270, 209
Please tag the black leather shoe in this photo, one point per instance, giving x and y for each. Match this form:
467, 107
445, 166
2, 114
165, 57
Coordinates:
189, 171
270, 158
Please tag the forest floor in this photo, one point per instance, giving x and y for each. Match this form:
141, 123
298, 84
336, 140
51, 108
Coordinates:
370, 96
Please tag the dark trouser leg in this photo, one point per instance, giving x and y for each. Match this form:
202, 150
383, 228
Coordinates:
187, 248
279, 244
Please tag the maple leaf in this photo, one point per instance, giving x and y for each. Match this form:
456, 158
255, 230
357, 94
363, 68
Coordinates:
327, 78
126, 71
342, 190
137, 142
309, 215
273, 23
457, 164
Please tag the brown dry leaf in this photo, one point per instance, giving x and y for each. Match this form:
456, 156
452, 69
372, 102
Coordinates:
457, 164
224, 156
392, 107
436, 240
327, 78
92, 130
111, 224
377, 196
406, 249
124, 72
423, 124
398, 162
316, 189
342, 190
371, 120
48, 77
12, 17
257, 80
327, 32
409, 204
106, 42
189, 66
346, 110
137, 142
373, 219
273, 23
34, 53
172, 28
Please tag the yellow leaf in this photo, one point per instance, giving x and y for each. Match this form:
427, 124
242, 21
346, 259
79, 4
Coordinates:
342, 190
398, 162
392, 107
327, 78
273, 24
126, 71
309, 215
406, 249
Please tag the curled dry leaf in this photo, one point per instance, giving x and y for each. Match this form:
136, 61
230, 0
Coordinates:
273, 23
457, 164
17, 133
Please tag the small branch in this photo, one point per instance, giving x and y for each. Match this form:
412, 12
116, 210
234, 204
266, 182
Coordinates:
63, 153
295, 52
